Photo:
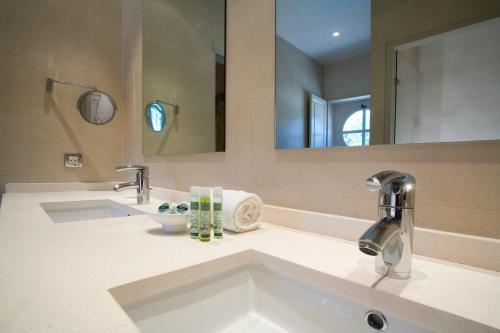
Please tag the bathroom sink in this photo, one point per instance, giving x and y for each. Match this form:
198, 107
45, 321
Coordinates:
246, 292
71, 211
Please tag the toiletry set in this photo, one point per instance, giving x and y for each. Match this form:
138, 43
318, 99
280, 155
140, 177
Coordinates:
210, 210
205, 212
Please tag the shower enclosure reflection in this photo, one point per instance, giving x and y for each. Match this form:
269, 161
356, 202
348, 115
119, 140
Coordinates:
446, 87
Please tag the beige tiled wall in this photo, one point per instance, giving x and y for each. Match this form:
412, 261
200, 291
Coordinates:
458, 185
76, 40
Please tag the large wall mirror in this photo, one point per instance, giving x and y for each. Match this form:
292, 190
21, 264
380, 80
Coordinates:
183, 88
442, 85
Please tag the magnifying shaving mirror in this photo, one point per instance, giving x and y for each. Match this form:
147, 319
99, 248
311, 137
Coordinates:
95, 106
156, 117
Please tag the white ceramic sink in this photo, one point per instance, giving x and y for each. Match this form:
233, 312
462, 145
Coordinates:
71, 211
247, 292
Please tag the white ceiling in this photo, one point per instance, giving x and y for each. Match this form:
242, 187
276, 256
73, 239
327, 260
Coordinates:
309, 24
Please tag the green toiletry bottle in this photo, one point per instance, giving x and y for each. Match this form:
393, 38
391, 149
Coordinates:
217, 212
194, 217
204, 226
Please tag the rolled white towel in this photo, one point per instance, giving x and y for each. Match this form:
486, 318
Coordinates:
241, 210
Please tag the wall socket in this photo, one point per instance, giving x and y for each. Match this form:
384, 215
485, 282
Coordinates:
73, 160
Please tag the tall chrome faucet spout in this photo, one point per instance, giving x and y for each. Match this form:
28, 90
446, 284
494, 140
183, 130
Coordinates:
391, 238
374, 240
141, 183
124, 186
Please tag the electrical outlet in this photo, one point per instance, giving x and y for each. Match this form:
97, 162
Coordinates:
73, 160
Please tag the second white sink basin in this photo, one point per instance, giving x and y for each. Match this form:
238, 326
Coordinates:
72, 211
248, 292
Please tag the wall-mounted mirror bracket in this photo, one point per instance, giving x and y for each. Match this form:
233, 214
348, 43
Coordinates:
175, 106
50, 84
95, 106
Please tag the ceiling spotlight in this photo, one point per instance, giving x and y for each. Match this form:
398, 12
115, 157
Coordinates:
336, 34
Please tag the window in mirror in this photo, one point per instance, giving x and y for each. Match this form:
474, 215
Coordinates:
349, 119
356, 131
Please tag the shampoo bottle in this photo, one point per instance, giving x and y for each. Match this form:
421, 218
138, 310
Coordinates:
204, 226
217, 212
194, 218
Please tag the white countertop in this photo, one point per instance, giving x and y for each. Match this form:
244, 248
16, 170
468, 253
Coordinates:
56, 277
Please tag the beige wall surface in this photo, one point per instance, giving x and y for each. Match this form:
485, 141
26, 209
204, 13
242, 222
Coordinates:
75, 40
298, 76
458, 185
394, 21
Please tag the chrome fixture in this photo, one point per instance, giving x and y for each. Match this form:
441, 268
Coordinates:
376, 320
391, 238
50, 84
175, 106
141, 183
95, 106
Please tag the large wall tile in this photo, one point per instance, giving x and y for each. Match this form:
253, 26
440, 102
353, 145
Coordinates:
73, 40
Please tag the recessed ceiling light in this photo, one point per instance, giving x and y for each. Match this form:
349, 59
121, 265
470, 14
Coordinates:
336, 34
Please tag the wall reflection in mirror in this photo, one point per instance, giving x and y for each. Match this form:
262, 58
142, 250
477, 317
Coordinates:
183, 88
441, 87
322, 73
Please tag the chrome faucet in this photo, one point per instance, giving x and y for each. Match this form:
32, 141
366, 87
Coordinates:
391, 238
141, 183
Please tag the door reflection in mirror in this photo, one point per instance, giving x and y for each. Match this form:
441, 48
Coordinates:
318, 122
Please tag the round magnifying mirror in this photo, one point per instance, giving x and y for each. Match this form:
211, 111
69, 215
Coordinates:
96, 107
156, 117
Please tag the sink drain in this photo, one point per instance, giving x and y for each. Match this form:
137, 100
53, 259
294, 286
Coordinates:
376, 320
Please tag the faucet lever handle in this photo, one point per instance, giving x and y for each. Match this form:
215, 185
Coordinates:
385, 181
132, 167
